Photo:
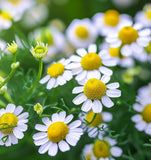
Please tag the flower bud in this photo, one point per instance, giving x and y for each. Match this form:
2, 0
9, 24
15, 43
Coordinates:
12, 48
38, 108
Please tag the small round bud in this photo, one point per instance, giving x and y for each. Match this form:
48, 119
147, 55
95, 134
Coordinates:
38, 108
3, 89
15, 65
12, 48
40, 51
133, 71
127, 78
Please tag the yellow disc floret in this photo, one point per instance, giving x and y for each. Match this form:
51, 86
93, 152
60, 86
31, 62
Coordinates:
97, 121
94, 89
91, 61
7, 122
82, 32
57, 131
56, 69
14, 2
101, 149
5, 15
147, 113
88, 157
114, 52
148, 15
128, 35
111, 18
148, 48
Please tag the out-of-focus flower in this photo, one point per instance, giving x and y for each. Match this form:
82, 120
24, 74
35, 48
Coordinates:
13, 124
95, 90
111, 21
57, 74
57, 23
57, 133
124, 3
81, 33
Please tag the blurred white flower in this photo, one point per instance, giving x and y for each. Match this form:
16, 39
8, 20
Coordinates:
124, 3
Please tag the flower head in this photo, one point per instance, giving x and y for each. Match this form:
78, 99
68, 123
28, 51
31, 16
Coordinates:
12, 124
12, 48
57, 132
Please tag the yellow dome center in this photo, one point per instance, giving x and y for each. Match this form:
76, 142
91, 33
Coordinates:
88, 157
114, 52
147, 113
94, 89
5, 15
7, 122
57, 131
148, 14
82, 32
111, 18
101, 149
148, 48
56, 70
15, 2
97, 121
128, 35
91, 61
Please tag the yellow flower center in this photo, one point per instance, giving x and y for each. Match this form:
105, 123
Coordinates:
7, 122
91, 61
82, 32
111, 18
5, 15
114, 52
148, 48
147, 113
14, 1
88, 157
128, 35
148, 14
94, 89
56, 70
101, 149
97, 121
57, 131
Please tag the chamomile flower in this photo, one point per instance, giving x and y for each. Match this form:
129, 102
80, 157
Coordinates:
144, 17
12, 124
130, 39
95, 90
54, 38
111, 21
94, 127
102, 150
90, 64
57, 133
142, 120
124, 3
81, 33
57, 74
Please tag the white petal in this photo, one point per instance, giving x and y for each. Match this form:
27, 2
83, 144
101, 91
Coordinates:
113, 93
55, 117
40, 127
45, 147
18, 110
81, 51
41, 141
79, 99
46, 121
53, 149
13, 139
62, 116
143, 41
71, 140
104, 54
68, 118
126, 50
93, 74
73, 65
137, 107
141, 125
51, 83
45, 79
113, 85
8, 142
81, 75
22, 127
23, 115
148, 129
145, 32
105, 79
106, 71
61, 80
96, 106
63, 146
92, 48
109, 62
77, 90
93, 132
75, 58
10, 108
116, 151
67, 75
39, 135
107, 117
107, 101
86, 105
75, 124
19, 134
136, 118
77, 70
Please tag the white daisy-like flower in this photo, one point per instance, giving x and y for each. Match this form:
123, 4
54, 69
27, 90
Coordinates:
95, 90
81, 33
57, 74
12, 124
130, 39
142, 120
54, 38
95, 123
103, 150
144, 16
124, 3
57, 133
90, 64
111, 21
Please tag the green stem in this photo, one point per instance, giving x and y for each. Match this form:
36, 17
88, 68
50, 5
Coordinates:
10, 74
37, 80
2, 104
92, 119
8, 97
